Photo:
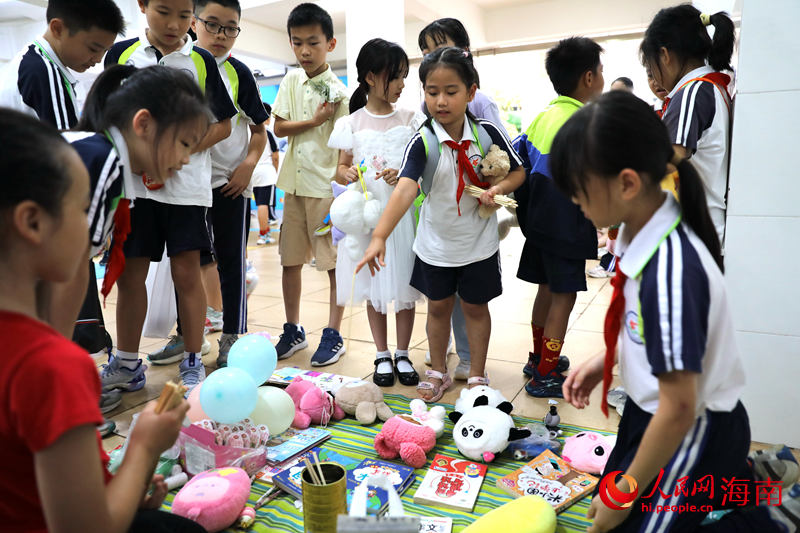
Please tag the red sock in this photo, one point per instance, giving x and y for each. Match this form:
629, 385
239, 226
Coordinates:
551, 349
263, 231
538, 335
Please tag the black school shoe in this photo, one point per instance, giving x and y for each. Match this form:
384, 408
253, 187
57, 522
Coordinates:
383, 380
406, 378
533, 364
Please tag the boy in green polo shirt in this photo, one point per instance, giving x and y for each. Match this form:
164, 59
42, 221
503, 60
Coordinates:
558, 238
310, 99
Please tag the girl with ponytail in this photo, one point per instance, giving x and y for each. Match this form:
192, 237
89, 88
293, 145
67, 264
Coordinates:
677, 355
683, 59
374, 137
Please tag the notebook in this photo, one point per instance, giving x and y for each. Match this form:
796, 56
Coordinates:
450, 482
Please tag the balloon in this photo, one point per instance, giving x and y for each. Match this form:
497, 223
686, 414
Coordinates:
274, 408
195, 409
255, 355
228, 395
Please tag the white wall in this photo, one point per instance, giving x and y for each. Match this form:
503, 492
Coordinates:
762, 244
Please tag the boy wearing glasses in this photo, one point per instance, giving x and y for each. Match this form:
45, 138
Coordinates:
216, 24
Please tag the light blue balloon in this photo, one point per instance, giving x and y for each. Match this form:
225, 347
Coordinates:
228, 395
255, 355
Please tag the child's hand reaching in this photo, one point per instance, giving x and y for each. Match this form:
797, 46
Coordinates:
374, 256
389, 175
324, 111
351, 174
158, 432
487, 198
154, 499
580, 383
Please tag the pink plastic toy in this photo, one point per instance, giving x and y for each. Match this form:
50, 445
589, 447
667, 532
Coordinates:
215, 499
402, 435
312, 404
587, 451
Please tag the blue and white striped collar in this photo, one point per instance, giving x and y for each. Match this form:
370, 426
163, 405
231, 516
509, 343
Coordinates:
68, 74
696, 73
635, 254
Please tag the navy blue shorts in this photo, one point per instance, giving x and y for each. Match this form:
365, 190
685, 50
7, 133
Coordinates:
560, 274
264, 195
182, 228
475, 283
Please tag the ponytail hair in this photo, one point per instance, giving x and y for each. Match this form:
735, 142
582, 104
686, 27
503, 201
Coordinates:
377, 56
620, 131
682, 30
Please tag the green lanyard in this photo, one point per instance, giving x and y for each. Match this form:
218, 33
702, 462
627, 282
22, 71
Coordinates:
63, 76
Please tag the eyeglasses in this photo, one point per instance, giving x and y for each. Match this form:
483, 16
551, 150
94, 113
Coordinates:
216, 28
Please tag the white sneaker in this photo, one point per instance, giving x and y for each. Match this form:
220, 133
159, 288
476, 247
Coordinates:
462, 371
262, 239
599, 272
449, 350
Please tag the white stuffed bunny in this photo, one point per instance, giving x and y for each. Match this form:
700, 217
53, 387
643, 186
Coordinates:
434, 418
355, 214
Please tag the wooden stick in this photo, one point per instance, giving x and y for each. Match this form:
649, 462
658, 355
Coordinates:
499, 199
311, 471
319, 467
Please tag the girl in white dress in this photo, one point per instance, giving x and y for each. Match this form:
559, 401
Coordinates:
374, 137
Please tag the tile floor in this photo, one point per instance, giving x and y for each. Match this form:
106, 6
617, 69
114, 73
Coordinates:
508, 348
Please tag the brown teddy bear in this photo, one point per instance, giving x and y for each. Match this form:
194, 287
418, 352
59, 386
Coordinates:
494, 168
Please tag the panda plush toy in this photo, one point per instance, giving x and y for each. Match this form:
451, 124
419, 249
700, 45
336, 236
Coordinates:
484, 431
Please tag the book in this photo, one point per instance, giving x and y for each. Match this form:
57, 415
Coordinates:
324, 380
293, 442
550, 477
402, 477
435, 524
450, 482
289, 480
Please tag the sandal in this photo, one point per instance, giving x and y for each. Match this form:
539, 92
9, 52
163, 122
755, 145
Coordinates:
383, 380
430, 392
478, 381
406, 378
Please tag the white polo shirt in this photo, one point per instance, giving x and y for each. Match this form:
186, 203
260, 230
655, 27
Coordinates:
192, 184
676, 314
698, 119
443, 237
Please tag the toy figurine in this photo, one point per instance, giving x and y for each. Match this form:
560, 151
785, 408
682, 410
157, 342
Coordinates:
552, 419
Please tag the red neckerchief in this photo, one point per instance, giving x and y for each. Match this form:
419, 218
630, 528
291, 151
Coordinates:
116, 260
464, 166
611, 331
719, 79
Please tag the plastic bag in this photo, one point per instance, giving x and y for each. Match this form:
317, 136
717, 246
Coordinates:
394, 521
162, 311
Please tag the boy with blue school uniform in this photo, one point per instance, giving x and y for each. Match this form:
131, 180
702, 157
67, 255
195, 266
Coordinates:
174, 214
232, 163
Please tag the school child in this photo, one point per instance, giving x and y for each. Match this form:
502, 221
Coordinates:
687, 63
54, 475
678, 361
558, 238
233, 160
310, 99
457, 251
175, 213
376, 133
264, 178
439, 34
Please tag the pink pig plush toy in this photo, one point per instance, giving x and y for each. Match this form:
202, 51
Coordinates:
215, 499
588, 451
404, 436
312, 405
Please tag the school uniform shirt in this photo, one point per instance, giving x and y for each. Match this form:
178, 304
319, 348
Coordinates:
191, 185
38, 404
37, 82
109, 168
309, 165
243, 91
443, 237
546, 215
697, 116
265, 173
677, 315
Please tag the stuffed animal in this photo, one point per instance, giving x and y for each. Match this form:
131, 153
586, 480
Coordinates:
355, 214
312, 404
467, 397
484, 431
541, 439
494, 167
404, 436
539, 517
434, 418
588, 451
363, 400
215, 499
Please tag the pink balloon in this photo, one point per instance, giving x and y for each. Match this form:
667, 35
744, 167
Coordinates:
195, 409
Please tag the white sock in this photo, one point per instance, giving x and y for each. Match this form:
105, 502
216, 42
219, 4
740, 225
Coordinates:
384, 368
129, 360
402, 366
197, 356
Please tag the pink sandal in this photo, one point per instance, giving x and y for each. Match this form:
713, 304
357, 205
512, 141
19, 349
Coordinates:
430, 392
478, 381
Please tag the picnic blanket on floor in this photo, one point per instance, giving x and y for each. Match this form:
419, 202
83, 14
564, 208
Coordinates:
354, 440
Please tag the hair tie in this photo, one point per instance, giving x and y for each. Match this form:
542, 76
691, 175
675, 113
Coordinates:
466, 54
705, 18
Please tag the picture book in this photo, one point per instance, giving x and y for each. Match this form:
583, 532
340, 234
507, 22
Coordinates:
550, 477
324, 380
288, 479
435, 524
292, 442
450, 482
402, 477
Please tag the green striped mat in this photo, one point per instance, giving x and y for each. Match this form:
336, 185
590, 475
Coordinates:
354, 440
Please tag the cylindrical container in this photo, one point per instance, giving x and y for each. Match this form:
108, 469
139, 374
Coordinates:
322, 504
